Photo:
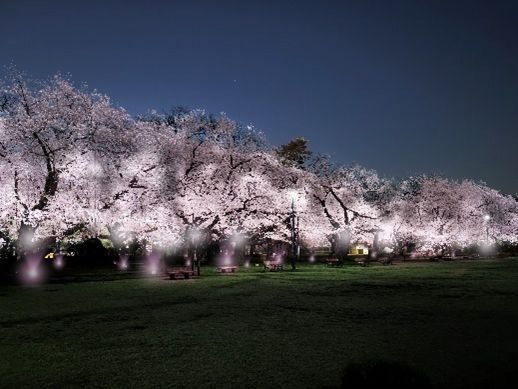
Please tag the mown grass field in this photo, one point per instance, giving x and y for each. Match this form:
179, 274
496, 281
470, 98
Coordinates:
456, 322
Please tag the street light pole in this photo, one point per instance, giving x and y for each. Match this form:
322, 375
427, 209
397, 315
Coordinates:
293, 227
487, 218
194, 255
195, 237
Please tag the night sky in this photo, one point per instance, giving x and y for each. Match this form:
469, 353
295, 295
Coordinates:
403, 87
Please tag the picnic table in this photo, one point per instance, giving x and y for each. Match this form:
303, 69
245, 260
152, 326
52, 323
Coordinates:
180, 273
226, 269
272, 265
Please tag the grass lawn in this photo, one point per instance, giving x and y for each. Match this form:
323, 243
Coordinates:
457, 322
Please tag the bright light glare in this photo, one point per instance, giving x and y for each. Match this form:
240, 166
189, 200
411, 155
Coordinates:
487, 217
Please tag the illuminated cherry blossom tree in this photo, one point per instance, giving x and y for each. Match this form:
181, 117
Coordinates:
72, 161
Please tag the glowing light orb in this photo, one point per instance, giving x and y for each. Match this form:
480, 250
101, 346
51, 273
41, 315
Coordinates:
487, 218
312, 259
33, 273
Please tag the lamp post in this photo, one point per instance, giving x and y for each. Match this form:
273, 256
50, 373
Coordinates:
194, 237
295, 250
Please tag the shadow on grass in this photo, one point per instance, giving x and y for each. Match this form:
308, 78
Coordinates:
495, 377
72, 277
379, 373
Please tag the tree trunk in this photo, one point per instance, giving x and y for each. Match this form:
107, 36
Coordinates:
340, 244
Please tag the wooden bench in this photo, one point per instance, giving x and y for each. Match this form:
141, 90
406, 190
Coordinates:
334, 262
226, 269
178, 274
272, 265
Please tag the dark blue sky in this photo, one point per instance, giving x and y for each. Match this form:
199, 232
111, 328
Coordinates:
404, 87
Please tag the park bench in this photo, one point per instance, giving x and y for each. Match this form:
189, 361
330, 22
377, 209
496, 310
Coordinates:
226, 269
180, 273
272, 265
362, 261
334, 262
